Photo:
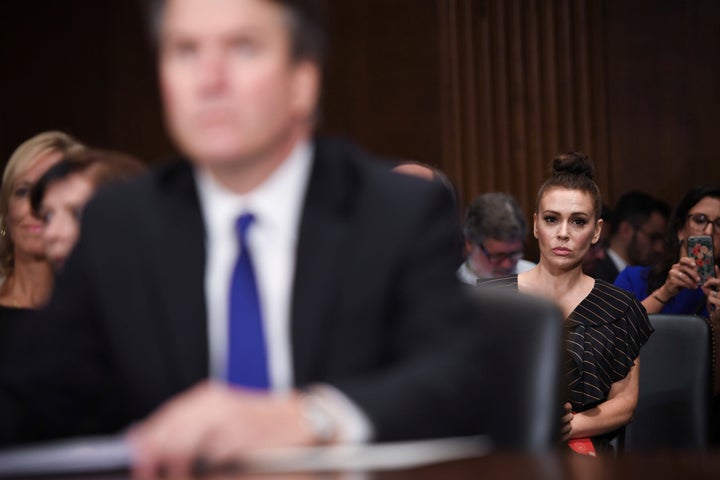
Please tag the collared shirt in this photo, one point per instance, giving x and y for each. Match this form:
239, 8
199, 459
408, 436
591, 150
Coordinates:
272, 241
467, 275
620, 264
276, 205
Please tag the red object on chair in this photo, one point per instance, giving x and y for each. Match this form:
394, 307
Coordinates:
583, 446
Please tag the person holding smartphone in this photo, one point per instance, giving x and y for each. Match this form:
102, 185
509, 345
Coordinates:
674, 285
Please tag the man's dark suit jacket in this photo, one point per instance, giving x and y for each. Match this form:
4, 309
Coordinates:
606, 269
376, 309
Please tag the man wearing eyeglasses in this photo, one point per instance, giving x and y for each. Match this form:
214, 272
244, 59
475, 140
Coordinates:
637, 236
495, 229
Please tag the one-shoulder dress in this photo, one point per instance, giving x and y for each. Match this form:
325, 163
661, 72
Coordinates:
604, 335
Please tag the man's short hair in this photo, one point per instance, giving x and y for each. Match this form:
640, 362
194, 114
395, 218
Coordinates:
497, 216
306, 24
636, 208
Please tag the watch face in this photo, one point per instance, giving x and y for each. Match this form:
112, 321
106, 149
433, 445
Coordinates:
318, 419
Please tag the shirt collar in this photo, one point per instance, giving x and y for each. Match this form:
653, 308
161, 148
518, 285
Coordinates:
620, 264
276, 203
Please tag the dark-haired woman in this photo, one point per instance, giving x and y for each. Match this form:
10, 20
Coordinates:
606, 325
672, 285
59, 196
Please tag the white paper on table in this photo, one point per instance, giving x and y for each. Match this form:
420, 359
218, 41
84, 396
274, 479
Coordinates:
112, 453
77, 455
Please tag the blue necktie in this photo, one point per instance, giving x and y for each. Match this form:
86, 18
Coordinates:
247, 356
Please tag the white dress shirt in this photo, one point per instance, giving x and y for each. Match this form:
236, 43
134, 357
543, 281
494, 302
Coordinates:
272, 240
467, 275
620, 264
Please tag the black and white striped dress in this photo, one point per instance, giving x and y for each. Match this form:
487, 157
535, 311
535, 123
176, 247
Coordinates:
604, 336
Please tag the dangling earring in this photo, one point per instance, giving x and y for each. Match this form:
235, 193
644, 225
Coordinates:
3, 230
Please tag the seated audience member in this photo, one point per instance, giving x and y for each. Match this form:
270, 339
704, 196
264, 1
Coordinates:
27, 277
597, 251
606, 325
637, 233
495, 229
60, 195
671, 285
425, 171
269, 288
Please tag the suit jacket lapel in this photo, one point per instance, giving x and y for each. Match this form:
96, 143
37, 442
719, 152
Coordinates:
178, 267
324, 224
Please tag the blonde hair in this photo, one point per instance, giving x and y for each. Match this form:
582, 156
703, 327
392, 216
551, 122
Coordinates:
22, 159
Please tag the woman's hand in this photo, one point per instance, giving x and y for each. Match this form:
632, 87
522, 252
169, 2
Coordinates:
710, 288
566, 423
614, 412
683, 274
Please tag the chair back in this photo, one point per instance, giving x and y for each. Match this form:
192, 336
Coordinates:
673, 403
524, 368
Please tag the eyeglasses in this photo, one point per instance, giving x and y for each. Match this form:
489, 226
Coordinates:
501, 256
700, 221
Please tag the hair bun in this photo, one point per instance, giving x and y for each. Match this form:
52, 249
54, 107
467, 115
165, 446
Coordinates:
573, 163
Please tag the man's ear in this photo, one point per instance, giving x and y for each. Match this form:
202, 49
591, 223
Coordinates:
306, 88
468, 247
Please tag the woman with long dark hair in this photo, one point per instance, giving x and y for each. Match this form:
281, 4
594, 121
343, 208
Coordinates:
672, 286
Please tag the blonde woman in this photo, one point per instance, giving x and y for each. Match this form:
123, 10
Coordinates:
27, 277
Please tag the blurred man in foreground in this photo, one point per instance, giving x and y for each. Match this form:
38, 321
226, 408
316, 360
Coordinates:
268, 289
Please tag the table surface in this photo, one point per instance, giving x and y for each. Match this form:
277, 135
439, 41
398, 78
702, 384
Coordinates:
510, 466
658, 466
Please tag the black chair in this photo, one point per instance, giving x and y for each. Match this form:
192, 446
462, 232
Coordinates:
524, 368
673, 404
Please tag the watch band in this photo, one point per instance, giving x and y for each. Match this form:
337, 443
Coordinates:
318, 419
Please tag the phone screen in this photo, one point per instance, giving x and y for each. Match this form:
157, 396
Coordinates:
700, 249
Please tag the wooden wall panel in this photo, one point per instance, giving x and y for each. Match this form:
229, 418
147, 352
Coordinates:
382, 82
663, 73
82, 66
521, 81
489, 90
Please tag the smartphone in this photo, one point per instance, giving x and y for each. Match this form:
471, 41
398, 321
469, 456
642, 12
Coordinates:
700, 249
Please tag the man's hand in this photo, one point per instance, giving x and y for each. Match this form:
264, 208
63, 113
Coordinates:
215, 423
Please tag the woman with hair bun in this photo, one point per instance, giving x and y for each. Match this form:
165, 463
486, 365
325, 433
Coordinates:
606, 326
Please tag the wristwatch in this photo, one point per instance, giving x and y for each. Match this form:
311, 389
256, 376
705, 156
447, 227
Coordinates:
318, 419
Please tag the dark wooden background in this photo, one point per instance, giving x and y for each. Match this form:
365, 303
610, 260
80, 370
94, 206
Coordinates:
488, 90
